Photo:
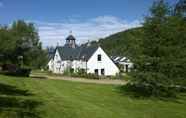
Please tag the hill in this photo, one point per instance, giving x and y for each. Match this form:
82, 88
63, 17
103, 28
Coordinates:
124, 43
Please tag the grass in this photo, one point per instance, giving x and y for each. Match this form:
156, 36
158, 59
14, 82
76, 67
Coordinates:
40, 98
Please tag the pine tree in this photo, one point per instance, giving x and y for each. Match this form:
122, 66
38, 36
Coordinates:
162, 62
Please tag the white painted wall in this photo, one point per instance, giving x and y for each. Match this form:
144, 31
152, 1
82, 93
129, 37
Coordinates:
50, 65
106, 63
130, 66
57, 65
57, 62
79, 64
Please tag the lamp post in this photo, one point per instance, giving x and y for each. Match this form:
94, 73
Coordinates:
20, 61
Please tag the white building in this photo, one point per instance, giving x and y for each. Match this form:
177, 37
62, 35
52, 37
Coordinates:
125, 64
87, 58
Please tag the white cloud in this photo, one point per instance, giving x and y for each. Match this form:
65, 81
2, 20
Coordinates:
91, 29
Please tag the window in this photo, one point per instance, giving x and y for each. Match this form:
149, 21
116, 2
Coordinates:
71, 70
127, 68
96, 71
99, 57
102, 71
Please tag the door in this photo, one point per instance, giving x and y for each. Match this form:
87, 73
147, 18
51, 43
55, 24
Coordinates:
102, 71
96, 71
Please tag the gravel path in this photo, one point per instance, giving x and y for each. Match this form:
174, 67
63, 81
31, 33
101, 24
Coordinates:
101, 81
74, 79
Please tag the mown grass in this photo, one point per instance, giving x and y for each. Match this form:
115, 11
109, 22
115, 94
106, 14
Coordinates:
40, 98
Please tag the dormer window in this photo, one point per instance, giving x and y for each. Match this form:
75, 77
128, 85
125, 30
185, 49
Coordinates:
99, 57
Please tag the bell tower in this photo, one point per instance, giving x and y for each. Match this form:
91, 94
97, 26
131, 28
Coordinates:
71, 41
181, 8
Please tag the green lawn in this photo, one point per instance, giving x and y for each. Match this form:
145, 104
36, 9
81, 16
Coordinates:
25, 98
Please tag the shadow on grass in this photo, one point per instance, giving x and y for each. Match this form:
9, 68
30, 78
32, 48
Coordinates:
126, 91
17, 103
12, 90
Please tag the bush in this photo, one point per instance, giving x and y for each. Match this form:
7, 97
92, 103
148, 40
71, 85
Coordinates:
152, 84
23, 72
11, 69
80, 73
85, 75
119, 76
147, 90
92, 76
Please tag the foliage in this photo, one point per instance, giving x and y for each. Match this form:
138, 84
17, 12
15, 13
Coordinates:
21, 39
157, 49
81, 73
67, 72
124, 43
162, 60
118, 76
10, 69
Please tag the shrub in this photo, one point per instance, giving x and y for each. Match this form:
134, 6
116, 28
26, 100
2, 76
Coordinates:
11, 69
85, 75
92, 76
152, 84
147, 90
117, 76
67, 72
80, 73
25, 72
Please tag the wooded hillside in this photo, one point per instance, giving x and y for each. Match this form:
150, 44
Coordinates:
123, 43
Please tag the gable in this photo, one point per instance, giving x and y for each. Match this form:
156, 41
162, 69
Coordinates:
57, 56
104, 63
104, 56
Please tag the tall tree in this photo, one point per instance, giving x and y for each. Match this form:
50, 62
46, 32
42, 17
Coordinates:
7, 45
161, 62
21, 39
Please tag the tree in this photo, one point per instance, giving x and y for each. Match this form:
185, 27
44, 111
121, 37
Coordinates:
22, 39
7, 45
161, 62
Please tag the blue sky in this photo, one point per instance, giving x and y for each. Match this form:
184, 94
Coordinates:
88, 19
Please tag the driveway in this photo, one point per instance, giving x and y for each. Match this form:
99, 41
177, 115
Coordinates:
74, 79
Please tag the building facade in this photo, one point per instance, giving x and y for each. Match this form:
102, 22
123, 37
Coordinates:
87, 58
124, 63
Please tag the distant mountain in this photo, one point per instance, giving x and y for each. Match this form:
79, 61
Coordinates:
124, 43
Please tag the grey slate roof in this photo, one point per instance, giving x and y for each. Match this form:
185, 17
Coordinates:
70, 37
80, 52
117, 59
